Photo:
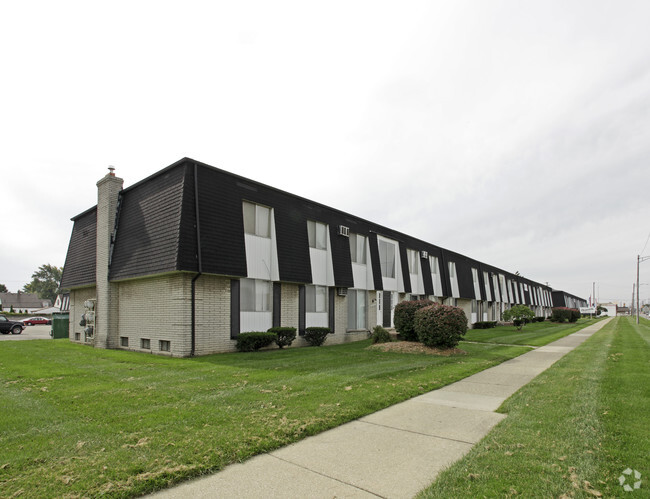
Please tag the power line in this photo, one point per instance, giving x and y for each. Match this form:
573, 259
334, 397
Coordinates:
646, 244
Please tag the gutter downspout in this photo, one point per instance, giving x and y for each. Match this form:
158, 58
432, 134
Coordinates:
200, 262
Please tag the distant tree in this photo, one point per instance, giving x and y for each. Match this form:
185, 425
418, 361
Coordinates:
518, 314
3, 289
45, 282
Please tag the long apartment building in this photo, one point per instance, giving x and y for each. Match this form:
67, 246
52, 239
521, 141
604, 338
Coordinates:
185, 260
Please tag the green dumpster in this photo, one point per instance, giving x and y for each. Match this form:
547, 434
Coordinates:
60, 325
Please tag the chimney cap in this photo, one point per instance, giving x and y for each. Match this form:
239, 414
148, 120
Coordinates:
111, 170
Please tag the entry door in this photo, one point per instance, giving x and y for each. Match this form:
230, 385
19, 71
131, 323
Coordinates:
387, 304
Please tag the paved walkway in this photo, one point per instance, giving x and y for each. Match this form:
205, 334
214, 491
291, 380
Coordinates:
393, 453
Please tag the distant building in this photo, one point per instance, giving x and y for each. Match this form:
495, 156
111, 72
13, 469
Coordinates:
622, 310
27, 302
610, 309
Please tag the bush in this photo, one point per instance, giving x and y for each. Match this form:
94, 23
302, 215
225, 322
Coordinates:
519, 315
561, 314
380, 335
285, 335
316, 336
440, 325
249, 342
485, 324
539, 319
405, 316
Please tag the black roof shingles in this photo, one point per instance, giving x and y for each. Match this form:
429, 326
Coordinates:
157, 232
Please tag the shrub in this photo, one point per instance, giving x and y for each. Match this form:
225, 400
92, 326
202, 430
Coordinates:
405, 316
519, 315
440, 325
380, 335
249, 342
284, 335
316, 336
539, 319
561, 314
485, 324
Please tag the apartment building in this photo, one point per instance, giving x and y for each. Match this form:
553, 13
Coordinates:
185, 260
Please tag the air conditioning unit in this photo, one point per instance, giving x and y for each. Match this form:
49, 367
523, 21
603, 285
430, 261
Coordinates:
344, 231
424, 254
342, 291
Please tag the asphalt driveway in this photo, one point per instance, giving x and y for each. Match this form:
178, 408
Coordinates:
37, 332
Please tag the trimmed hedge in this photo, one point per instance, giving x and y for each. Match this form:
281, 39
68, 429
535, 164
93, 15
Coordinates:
316, 336
249, 342
285, 335
380, 335
405, 317
485, 324
561, 314
440, 325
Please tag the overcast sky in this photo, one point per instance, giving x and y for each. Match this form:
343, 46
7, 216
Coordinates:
517, 133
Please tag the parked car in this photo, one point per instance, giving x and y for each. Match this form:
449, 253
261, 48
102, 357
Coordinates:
13, 327
36, 320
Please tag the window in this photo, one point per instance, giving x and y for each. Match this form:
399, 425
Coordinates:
453, 280
255, 295
257, 220
124, 341
414, 263
357, 302
435, 275
77, 336
387, 258
486, 281
164, 345
358, 244
316, 298
317, 233
145, 343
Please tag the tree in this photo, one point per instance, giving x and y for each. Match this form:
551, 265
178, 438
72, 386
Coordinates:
45, 282
518, 314
3, 289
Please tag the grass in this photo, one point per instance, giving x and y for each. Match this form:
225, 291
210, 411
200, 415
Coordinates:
572, 431
83, 422
534, 334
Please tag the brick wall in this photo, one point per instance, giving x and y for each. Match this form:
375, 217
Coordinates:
155, 309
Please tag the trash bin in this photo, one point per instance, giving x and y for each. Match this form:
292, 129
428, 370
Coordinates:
60, 325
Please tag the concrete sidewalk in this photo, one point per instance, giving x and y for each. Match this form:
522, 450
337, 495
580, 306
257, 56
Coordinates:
393, 453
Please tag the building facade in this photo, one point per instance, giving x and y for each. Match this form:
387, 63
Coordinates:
185, 260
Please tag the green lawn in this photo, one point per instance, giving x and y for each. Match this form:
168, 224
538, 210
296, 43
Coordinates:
535, 334
83, 422
572, 431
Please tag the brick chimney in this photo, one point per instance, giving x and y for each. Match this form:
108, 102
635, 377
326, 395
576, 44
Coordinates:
106, 317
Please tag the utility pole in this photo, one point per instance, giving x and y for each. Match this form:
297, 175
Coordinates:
639, 259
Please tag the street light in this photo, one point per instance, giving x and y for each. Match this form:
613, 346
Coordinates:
639, 259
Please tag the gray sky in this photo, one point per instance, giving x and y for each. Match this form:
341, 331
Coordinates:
517, 133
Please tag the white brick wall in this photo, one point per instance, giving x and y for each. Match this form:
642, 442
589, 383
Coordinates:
155, 308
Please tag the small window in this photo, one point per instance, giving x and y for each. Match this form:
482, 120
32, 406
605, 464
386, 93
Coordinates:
358, 245
316, 298
164, 345
317, 233
257, 220
145, 343
387, 258
255, 295
77, 336
414, 263
124, 341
